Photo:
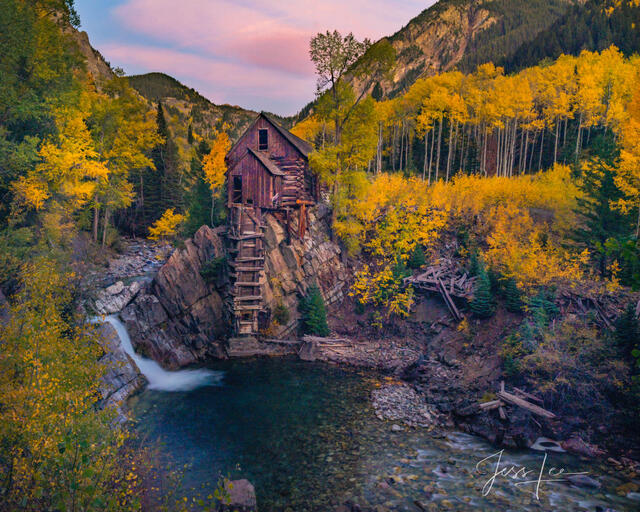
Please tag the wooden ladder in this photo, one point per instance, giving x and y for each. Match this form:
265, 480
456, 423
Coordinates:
246, 259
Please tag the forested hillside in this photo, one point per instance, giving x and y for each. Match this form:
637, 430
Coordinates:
465, 33
594, 26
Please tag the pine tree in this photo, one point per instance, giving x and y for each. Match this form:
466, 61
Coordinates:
627, 331
482, 304
190, 138
314, 314
513, 297
417, 258
600, 220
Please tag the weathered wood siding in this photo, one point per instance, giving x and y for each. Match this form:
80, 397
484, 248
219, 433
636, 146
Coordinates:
259, 186
279, 147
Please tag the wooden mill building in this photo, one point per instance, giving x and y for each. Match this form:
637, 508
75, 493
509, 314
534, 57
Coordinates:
268, 172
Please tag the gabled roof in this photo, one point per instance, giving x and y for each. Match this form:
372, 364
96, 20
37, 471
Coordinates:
269, 164
300, 144
304, 147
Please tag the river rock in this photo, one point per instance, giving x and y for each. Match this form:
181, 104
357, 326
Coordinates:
578, 446
122, 377
238, 496
584, 481
115, 297
400, 402
179, 318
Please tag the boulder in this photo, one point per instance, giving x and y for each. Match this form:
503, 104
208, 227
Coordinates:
112, 299
238, 496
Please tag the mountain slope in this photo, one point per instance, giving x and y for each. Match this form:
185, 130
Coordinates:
595, 27
466, 33
187, 106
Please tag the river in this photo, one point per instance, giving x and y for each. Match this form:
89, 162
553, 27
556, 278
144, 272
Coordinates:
305, 435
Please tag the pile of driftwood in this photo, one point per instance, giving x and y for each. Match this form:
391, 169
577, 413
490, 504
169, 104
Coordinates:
519, 398
446, 280
605, 307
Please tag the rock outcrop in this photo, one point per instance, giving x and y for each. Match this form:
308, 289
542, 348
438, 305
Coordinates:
292, 265
179, 318
122, 377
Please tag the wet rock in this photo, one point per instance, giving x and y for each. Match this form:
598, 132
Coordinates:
238, 496
584, 481
545, 444
179, 318
396, 428
122, 377
308, 351
112, 299
401, 403
578, 446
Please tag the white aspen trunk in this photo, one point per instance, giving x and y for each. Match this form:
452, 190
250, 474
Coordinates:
555, 149
426, 155
449, 152
579, 136
439, 148
541, 148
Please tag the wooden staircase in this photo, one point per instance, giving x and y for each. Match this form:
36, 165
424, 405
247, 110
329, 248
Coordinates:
246, 259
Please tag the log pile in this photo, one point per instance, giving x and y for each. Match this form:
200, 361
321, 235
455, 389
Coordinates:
581, 302
446, 280
519, 398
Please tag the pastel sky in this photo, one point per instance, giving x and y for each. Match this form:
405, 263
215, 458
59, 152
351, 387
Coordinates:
252, 53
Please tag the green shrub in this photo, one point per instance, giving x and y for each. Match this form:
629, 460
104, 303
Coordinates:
627, 332
213, 269
281, 314
313, 313
417, 258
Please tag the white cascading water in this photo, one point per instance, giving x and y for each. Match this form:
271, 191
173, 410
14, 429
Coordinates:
160, 379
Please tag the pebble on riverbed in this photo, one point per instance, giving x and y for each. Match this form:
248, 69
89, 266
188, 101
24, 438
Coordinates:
400, 402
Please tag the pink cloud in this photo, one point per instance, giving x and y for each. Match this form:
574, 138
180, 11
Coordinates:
249, 52
220, 81
272, 33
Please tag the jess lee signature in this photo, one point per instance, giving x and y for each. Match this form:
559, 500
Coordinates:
530, 480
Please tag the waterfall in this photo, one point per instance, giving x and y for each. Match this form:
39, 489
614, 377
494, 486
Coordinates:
159, 378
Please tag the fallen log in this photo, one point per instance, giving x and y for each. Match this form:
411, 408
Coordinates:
493, 404
520, 402
320, 339
524, 394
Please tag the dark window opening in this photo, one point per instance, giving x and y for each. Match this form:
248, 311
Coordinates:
263, 140
236, 194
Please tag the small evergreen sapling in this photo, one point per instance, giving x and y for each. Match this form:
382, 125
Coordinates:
417, 258
313, 313
513, 297
483, 305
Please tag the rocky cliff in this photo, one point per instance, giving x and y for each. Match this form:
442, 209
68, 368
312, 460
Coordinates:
181, 318
292, 265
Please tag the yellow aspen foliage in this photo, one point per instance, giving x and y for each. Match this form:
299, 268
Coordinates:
309, 129
59, 451
628, 174
214, 165
166, 226
520, 249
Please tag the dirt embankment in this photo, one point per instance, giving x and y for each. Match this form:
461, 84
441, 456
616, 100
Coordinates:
454, 370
